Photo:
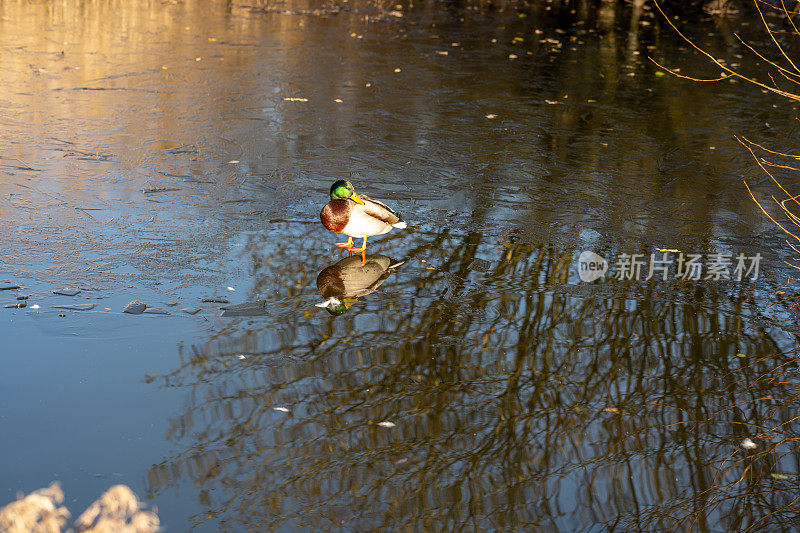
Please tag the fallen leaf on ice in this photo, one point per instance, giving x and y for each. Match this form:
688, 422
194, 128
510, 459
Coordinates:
748, 444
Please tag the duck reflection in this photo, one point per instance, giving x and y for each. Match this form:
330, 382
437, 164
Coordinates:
344, 282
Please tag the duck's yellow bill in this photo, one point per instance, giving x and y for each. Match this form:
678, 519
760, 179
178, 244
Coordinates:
349, 301
356, 199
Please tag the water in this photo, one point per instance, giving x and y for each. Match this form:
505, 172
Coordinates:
171, 152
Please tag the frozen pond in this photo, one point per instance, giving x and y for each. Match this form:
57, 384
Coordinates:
179, 153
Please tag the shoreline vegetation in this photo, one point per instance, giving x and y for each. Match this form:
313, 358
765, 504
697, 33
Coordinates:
41, 511
781, 76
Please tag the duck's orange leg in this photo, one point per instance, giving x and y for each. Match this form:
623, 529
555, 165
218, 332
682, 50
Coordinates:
363, 251
348, 245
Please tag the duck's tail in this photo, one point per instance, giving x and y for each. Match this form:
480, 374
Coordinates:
400, 225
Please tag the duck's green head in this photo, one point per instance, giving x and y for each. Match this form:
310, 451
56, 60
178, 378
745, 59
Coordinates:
338, 309
344, 189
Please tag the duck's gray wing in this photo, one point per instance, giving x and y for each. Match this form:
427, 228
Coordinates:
380, 210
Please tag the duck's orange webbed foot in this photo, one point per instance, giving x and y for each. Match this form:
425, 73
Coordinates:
348, 245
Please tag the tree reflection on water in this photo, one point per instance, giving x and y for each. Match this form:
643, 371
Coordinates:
517, 396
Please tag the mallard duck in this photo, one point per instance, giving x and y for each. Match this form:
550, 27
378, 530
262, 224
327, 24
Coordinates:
357, 216
344, 282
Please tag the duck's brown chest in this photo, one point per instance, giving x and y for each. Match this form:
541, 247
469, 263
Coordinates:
335, 214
